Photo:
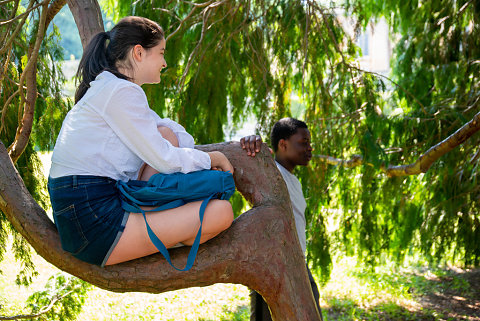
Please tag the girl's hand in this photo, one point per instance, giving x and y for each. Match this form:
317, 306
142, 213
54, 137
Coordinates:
220, 162
251, 144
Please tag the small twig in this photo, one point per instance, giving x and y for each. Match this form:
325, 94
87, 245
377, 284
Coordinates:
56, 298
3, 71
26, 13
199, 5
15, 32
395, 83
305, 44
4, 109
337, 47
183, 21
206, 13
169, 12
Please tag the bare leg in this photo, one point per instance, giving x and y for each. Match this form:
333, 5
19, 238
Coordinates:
172, 226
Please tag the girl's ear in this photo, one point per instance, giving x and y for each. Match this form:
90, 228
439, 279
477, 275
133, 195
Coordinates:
137, 53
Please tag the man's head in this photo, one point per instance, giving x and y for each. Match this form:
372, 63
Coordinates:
291, 142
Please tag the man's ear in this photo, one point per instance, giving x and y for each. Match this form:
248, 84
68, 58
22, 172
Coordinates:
282, 145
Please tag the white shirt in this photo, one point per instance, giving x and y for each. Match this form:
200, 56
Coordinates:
112, 131
298, 203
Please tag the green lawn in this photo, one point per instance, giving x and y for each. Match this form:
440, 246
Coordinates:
351, 294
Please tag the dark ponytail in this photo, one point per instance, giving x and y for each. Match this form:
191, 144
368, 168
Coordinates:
107, 49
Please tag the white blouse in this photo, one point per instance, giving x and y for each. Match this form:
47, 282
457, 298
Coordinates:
112, 131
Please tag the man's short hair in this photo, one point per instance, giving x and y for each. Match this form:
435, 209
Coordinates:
284, 129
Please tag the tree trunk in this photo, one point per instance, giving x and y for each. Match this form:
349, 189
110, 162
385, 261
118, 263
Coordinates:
88, 18
260, 250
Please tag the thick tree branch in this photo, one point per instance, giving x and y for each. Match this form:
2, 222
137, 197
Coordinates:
53, 9
88, 18
425, 161
260, 250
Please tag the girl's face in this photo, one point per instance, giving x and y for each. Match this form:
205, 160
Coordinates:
149, 63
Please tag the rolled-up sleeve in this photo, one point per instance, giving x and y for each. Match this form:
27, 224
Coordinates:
129, 116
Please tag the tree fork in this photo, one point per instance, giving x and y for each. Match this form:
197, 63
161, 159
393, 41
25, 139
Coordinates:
260, 250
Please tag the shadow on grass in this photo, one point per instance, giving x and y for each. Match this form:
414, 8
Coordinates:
443, 294
346, 309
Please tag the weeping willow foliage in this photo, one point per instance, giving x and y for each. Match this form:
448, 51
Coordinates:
50, 109
435, 61
234, 58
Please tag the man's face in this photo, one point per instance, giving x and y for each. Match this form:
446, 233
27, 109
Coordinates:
298, 150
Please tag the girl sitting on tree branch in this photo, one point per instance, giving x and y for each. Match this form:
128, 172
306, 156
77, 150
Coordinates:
112, 135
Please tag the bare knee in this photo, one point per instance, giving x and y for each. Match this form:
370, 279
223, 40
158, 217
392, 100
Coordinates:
169, 135
223, 214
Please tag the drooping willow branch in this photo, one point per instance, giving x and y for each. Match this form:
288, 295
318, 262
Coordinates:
29, 78
424, 162
44, 310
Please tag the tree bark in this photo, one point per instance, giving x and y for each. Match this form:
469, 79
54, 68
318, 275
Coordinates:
88, 18
260, 250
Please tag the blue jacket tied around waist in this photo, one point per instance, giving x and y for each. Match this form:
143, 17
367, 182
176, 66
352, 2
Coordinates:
166, 191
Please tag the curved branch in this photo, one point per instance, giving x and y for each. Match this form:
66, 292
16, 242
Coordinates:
355, 161
395, 83
260, 250
206, 14
424, 162
4, 109
29, 75
53, 9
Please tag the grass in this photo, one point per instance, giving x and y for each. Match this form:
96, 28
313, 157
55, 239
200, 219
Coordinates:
353, 293
217, 302
392, 293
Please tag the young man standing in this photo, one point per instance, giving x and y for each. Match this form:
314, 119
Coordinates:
291, 143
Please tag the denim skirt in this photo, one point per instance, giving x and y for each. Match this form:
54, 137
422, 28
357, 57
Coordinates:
88, 214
